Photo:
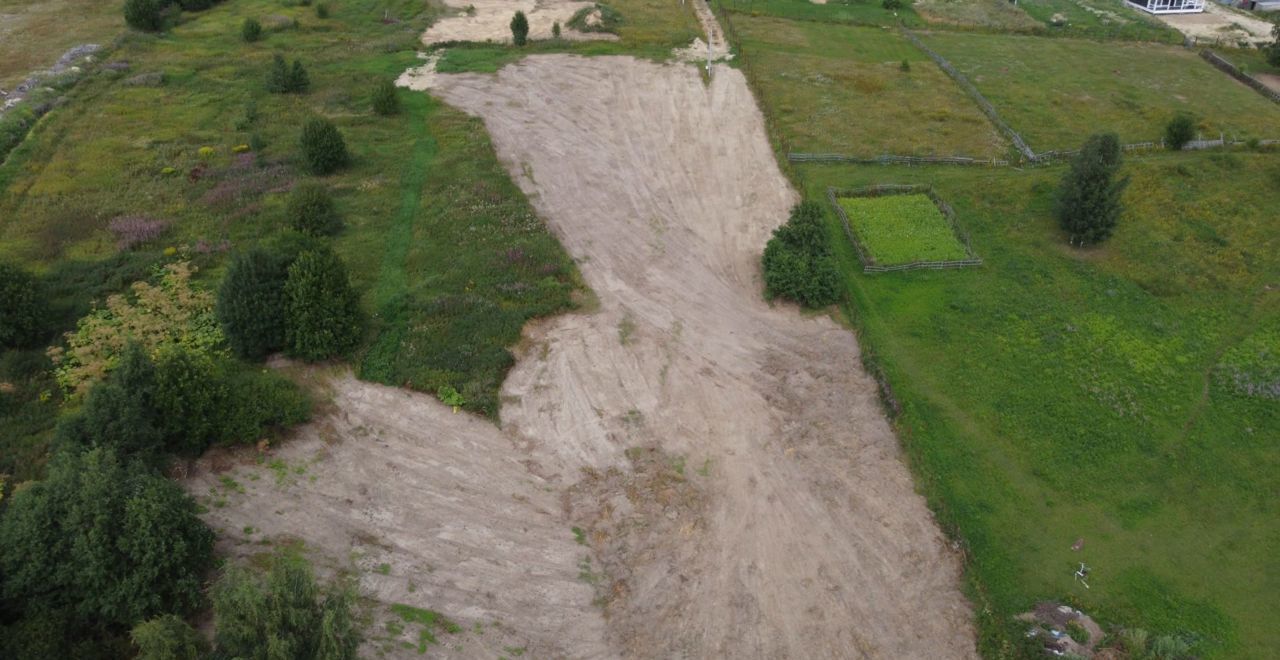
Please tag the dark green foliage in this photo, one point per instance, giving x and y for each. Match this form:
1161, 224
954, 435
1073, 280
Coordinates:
555, 29
250, 303
283, 79
183, 403
195, 5
385, 101
311, 210
519, 28
608, 19
119, 413
1088, 204
797, 261
167, 637
891, 5
323, 148
107, 542
322, 10
287, 615
324, 318
22, 307
251, 30
1179, 131
188, 404
299, 82
143, 14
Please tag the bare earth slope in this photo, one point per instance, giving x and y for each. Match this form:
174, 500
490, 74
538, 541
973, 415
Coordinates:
806, 538
737, 490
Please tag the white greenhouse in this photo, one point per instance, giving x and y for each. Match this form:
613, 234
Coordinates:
1169, 6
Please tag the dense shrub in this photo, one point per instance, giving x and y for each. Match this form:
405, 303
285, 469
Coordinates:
1273, 49
1088, 204
167, 637
283, 79
385, 101
22, 307
182, 403
322, 10
1179, 131
105, 541
892, 5
555, 30
287, 615
311, 210
195, 5
323, 148
797, 261
324, 318
251, 30
251, 303
519, 28
144, 14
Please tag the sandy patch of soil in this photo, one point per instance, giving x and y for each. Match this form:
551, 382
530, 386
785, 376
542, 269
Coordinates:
800, 534
1220, 23
491, 21
698, 50
429, 509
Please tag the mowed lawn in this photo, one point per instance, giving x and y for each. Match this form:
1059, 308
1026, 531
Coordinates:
901, 229
1127, 397
1056, 92
843, 89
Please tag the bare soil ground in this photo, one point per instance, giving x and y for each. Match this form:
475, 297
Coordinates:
684, 471
491, 20
1220, 23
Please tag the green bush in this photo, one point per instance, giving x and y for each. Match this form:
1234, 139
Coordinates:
1088, 204
322, 10
188, 404
287, 615
385, 100
167, 637
118, 413
519, 28
892, 5
1273, 49
609, 19
144, 14
195, 5
104, 540
251, 30
283, 79
22, 307
250, 303
311, 210
1179, 131
555, 29
797, 261
323, 148
324, 318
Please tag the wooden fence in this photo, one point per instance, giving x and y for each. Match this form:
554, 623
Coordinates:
868, 262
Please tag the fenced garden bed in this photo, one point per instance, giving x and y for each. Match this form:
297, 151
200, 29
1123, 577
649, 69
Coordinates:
901, 227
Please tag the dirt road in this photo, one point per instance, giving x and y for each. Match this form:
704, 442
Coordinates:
686, 471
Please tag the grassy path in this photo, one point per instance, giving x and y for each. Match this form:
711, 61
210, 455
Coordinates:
392, 289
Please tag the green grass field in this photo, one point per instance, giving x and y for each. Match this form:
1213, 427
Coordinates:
1056, 92
901, 229
851, 12
1100, 19
34, 34
842, 89
449, 256
1054, 394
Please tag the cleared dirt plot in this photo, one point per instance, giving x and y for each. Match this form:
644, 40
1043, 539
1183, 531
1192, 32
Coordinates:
843, 89
901, 229
796, 532
1056, 92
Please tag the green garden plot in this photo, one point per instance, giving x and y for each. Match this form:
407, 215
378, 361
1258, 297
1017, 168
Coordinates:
1057, 92
902, 229
858, 91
